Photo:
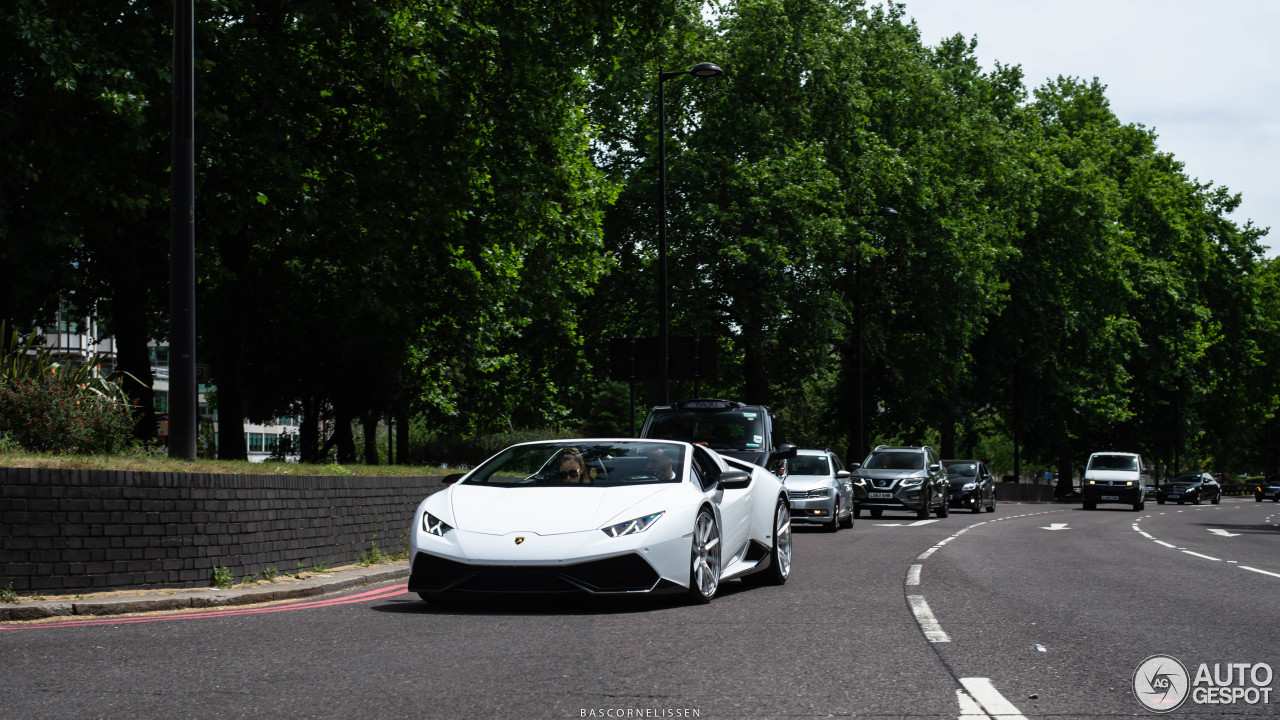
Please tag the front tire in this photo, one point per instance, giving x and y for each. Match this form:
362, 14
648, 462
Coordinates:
848, 521
780, 555
944, 508
704, 562
834, 525
1217, 499
923, 512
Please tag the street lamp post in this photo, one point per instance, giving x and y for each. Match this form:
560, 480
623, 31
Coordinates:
701, 70
861, 432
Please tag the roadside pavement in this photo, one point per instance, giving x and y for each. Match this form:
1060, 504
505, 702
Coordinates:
284, 587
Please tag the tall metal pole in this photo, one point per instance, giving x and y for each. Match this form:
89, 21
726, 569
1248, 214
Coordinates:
183, 403
664, 385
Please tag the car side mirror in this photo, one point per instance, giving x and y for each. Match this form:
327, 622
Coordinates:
451, 479
843, 474
785, 451
935, 467
735, 479
854, 466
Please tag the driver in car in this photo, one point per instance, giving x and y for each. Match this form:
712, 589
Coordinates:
573, 467
659, 465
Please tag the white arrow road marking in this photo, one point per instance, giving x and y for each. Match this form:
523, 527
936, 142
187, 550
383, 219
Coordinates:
1223, 533
929, 624
1056, 526
981, 690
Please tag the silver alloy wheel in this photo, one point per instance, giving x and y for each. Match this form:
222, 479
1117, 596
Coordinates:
782, 538
705, 575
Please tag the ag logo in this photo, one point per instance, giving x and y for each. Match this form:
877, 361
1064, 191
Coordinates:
519, 539
1161, 683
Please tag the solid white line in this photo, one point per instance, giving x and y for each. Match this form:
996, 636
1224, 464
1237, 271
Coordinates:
1206, 557
991, 700
1161, 542
929, 624
969, 708
913, 574
1264, 572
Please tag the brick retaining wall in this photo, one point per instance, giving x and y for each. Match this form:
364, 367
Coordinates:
68, 530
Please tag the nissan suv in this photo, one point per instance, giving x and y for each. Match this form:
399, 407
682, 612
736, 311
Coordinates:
901, 478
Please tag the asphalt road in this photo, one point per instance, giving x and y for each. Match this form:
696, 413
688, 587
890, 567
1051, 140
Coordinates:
1038, 611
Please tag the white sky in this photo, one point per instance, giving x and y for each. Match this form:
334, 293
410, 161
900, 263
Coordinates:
1204, 75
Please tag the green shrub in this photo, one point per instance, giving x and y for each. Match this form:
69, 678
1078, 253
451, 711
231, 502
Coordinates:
46, 415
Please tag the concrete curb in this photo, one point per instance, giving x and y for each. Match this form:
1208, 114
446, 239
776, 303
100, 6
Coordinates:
155, 601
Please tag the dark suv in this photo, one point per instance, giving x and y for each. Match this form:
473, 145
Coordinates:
729, 427
901, 478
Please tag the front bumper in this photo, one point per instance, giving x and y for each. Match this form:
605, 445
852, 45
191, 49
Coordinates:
812, 510
964, 499
526, 562
1127, 494
912, 498
624, 574
1269, 493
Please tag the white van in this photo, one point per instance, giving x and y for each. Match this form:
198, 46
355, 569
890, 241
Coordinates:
1115, 477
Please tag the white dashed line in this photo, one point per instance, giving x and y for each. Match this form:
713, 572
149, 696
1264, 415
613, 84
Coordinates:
995, 705
1264, 572
1206, 557
928, 623
913, 574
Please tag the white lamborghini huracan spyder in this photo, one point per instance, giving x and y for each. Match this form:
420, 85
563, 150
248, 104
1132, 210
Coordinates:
602, 517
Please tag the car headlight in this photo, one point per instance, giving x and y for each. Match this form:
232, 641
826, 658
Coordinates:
820, 493
1128, 482
911, 481
632, 527
1092, 482
969, 486
433, 525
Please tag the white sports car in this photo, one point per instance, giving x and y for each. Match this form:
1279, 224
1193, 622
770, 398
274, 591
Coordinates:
602, 517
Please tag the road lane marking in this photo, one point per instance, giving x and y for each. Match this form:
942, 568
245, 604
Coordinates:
969, 708
1056, 526
1206, 557
995, 705
1168, 545
1223, 533
929, 624
1253, 569
925, 555
913, 574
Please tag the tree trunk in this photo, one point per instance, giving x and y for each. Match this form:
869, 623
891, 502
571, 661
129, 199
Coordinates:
753, 374
370, 422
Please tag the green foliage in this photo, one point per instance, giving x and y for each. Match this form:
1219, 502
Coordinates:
222, 578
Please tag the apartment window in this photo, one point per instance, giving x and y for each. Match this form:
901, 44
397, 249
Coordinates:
269, 442
159, 356
255, 441
162, 401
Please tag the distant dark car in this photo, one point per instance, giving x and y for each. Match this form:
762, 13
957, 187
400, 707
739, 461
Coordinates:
1190, 487
972, 485
1268, 489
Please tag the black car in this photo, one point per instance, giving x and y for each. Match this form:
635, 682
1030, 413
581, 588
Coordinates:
1190, 487
731, 428
1268, 489
972, 485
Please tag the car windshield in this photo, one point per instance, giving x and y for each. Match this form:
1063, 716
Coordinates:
1185, 478
890, 460
577, 464
808, 465
723, 429
962, 469
1113, 462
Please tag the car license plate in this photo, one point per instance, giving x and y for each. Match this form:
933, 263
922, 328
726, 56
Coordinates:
1109, 497
880, 495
